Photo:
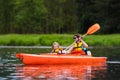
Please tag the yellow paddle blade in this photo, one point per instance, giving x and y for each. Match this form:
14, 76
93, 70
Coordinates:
93, 29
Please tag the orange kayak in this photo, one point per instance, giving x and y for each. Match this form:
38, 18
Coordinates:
34, 59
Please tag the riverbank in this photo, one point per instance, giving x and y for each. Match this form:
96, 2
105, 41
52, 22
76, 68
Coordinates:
63, 39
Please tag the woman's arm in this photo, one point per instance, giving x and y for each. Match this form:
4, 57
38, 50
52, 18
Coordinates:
84, 43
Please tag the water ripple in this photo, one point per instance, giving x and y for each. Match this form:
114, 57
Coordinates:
113, 62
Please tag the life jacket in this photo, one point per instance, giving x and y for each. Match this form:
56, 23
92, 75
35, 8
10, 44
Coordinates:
78, 49
57, 50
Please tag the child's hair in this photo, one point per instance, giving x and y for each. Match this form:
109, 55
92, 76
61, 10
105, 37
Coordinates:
55, 43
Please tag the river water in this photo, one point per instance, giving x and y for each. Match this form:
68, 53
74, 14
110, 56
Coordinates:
12, 69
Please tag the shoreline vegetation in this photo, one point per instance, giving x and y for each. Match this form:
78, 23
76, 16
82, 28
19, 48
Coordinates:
64, 39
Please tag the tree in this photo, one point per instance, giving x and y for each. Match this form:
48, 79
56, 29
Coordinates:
6, 16
58, 16
30, 16
61, 16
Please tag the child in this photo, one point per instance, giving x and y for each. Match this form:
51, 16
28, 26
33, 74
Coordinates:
56, 48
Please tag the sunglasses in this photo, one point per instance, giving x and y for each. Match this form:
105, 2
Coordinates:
76, 37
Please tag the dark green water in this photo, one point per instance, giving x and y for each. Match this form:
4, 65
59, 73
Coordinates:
12, 69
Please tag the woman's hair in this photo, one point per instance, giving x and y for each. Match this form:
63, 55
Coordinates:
77, 36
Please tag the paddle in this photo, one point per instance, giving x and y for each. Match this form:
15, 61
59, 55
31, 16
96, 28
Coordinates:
91, 30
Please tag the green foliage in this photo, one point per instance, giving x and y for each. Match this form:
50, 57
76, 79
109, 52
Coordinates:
58, 16
103, 40
63, 39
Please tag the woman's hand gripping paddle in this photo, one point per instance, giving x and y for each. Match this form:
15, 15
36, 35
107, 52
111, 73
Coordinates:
91, 30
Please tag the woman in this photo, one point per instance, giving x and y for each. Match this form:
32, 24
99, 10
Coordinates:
77, 46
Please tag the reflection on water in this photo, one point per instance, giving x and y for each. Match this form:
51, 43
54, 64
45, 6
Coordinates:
55, 72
